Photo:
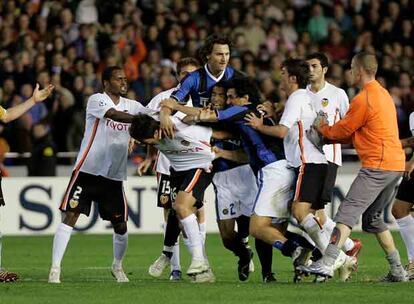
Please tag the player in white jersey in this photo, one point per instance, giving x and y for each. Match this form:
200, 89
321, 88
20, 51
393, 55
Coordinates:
309, 163
7, 116
100, 170
404, 202
191, 157
334, 102
171, 250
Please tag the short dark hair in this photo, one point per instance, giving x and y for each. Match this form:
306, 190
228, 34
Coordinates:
107, 73
143, 127
186, 61
244, 86
323, 59
367, 61
210, 42
298, 68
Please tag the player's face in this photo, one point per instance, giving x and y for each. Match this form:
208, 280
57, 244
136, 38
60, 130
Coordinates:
317, 72
185, 70
118, 83
218, 98
219, 57
233, 99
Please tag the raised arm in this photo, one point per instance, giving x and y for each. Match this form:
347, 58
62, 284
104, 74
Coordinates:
257, 123
238, 156
18, 110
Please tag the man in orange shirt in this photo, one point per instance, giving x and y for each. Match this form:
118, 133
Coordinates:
371, 123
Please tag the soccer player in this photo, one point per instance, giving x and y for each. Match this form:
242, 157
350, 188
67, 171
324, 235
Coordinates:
371, 123
198, 85
309, 163
171, 251
190, 156
100, 170
7, 116
235, 188
334, 102
404, 202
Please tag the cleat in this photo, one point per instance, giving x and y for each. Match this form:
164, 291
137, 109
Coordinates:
395, 276
300, 257
244, 265
204, 277
269, 278
340, 260
410, 271
176, 275
318, 268
319, 279
119, 274
156, 269
8, 277
54, 275
197, 267
350, 265
354, 252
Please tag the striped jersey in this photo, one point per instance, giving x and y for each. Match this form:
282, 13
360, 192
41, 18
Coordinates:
104, 147
298, 116
335, 103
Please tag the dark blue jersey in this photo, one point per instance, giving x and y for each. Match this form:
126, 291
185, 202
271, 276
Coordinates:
221, 164
261, 149
199, 85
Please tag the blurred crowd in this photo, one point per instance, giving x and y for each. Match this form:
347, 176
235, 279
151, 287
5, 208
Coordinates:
69, 43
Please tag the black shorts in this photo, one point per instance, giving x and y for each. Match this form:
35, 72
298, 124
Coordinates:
329, 183
310, 184
406, 191
164, 191
109, 195
193, 181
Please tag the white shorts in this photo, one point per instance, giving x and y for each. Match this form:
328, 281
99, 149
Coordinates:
236, 191
276, 189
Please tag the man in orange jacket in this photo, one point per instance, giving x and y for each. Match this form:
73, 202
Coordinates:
371, 123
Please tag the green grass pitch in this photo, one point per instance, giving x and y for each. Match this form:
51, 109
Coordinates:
86, 277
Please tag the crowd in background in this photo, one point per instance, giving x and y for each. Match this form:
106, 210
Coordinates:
69, 43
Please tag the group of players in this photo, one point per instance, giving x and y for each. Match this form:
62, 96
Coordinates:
269, 167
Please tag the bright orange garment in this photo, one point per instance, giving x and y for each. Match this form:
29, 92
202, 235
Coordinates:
371, 122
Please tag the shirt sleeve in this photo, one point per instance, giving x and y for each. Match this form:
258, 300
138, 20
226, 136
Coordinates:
291, 113
353, 120
343, 103
411, 122
98, 105
187, 85
231, 114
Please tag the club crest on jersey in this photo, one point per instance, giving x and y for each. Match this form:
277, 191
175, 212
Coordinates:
185, 143
102, 103
325, 102
164, 199
225, 211
73, 203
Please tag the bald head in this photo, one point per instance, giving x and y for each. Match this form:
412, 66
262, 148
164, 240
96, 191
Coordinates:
366, 62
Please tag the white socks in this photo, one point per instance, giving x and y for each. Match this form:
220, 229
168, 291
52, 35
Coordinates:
312, 227
192, 231
175, 259
406, 226
60, 242
329, 227
120, 244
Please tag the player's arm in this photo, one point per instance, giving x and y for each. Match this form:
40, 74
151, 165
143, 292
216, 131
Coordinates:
407, 142
238, 156
118, 116
257, 124
18, 110
222, 135
146, 163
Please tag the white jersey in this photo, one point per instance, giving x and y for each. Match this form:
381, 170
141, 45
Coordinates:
335, 103
104, 147
189, 149
298, 116
411, 121
162, 164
